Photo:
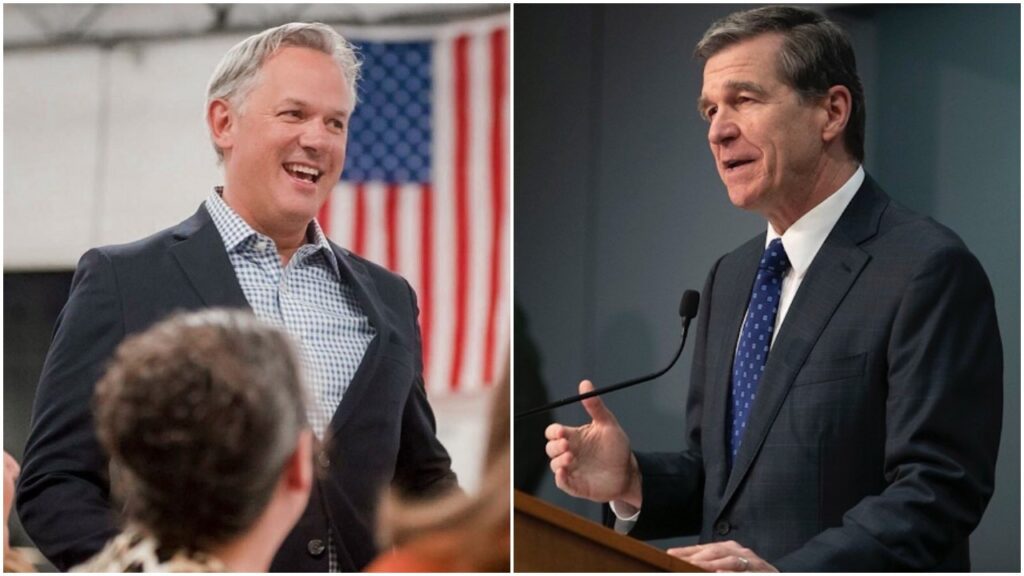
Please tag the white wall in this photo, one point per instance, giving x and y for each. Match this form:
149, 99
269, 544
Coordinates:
103, 146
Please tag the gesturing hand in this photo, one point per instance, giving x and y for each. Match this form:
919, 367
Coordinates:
594, 461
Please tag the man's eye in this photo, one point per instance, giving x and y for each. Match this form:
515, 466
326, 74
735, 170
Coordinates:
292, 113
337, 124
710, 112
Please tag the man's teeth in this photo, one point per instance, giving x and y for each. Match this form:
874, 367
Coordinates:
304, 172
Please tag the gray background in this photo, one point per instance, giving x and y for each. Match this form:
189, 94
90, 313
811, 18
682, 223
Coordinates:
618, 207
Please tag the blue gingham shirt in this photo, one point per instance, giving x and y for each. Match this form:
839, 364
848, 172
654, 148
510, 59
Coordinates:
308, 298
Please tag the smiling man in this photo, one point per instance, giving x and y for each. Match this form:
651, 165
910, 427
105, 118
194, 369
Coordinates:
284, 145
846, 394
278, 110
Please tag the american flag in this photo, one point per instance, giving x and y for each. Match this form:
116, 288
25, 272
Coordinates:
425, 189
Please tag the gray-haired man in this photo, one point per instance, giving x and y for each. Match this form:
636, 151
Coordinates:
845, 401
278, 109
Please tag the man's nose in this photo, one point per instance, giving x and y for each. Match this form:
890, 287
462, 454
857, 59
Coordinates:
723, 128
315, 137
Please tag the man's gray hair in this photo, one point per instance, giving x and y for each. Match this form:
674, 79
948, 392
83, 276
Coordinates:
816, 54
238, 71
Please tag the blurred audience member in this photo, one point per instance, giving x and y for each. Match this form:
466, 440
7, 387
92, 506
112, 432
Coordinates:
13, 560
459, 533
204, 421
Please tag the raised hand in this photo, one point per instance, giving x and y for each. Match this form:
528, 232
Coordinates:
594, 461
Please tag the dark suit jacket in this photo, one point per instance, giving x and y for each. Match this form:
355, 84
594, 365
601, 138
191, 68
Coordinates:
872, 444
382, 433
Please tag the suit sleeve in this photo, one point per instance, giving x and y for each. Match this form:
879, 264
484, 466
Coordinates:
673, 483
943, 421
423, 467
63, 492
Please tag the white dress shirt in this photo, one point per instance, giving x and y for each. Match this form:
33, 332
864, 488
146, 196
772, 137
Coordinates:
801, 241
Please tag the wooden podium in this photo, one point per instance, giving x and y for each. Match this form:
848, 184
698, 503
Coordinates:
549, 539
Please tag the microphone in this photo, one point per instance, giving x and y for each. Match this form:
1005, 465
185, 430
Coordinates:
687, 309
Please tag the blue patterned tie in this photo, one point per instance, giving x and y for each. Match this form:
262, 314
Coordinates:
755, 340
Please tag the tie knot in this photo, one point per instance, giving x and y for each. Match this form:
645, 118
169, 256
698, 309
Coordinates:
774, 258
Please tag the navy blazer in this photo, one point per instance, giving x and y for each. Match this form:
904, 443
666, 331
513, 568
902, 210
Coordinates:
872, 444
383, 432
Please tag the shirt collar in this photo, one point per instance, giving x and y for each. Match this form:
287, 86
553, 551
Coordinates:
235, 231
804, 237
319, 239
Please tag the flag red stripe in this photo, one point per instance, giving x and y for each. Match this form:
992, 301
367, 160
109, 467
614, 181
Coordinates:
426, 272
359, 229
391, 222
461, 106
497, 193
323, 217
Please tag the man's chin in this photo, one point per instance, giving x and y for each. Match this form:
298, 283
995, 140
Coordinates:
742, 197
296, 200
298, 211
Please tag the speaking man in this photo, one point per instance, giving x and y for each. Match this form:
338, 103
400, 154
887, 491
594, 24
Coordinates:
278, 110
845, 401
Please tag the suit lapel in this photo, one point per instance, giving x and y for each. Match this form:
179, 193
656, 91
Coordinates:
736, 282
355, 272
200, 252
829, 278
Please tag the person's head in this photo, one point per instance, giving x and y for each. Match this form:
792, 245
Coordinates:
499, 439
278, 108
481, 521
14, 560
203, 417
11, 471
784, 103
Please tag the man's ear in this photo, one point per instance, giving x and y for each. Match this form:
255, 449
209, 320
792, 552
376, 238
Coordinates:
838, 105
298, 471
220, 118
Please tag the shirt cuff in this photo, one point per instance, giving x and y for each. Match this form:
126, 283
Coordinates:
623, 524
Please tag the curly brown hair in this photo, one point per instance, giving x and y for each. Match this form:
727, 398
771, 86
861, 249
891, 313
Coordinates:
199, 415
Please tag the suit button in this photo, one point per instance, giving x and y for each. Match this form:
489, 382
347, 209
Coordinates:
316, 547
722, 528
323, 459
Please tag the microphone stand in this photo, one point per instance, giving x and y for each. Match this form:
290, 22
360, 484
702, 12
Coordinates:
612, 388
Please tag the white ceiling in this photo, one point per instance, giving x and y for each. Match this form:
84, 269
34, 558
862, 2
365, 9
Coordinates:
52, 25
